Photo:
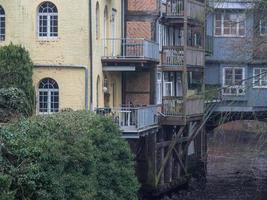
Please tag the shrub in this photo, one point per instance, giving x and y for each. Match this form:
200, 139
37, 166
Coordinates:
13, 104
16, 69
71, 155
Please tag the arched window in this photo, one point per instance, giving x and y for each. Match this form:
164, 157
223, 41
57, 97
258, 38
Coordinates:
97, 20
47, 20
2, 24
48, 96
105, 26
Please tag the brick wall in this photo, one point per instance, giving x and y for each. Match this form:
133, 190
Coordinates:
142, 5
137, 29
137, 88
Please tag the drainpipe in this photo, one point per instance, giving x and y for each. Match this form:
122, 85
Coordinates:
86, 78
91, 55
122, 19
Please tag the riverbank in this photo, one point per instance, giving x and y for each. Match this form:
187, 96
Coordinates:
237, 167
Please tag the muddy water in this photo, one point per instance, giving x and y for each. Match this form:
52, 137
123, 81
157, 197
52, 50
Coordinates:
237, 169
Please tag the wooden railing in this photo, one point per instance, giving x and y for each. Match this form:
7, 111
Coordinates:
194, 106
172, 56
130, 48
174, 106
132, 119
175, 8
195, 9
195, 56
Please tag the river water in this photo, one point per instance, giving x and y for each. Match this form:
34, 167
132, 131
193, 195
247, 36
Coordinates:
237, 169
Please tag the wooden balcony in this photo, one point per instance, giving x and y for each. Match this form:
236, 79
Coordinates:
177, 9
173, 57
177, 111
133, 120
120, 53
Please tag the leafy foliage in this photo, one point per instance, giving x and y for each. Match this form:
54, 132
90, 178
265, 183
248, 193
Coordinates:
71, 155
16, 71
13, 104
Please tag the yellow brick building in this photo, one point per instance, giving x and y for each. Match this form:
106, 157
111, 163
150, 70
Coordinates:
57, 34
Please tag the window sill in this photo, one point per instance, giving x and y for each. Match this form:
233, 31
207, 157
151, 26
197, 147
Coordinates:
236, 95
230, 36
259, 87
48, 39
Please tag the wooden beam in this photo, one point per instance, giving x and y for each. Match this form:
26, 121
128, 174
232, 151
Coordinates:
172, 145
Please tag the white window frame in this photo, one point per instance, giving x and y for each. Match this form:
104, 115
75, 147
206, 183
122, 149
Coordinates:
237, 88
165, 83
159, 88
49, 98
259, 77
222, 26
49, 18
2, 17
263, 34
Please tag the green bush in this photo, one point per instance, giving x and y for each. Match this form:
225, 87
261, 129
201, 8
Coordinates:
16, 69
71, 155
13, 104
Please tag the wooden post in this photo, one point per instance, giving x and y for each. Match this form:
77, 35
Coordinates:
161, 149
168, 168
151, 159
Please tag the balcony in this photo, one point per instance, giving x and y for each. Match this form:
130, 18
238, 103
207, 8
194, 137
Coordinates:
173, 57
133, 120
129, 51
176, 9
176, 111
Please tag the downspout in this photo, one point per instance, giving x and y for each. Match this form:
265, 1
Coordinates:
122, 19
86, 78
91, 55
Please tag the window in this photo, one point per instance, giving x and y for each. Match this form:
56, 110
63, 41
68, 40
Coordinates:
97, 20
159, 88
172, 84
47, 20
113, 30
2, 24
230, 24
195, 82
233, 81
48, 96
105, 32
260, 77
168, 83
263, 27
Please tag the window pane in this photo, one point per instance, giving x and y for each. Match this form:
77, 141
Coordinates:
2, 28
43, 102
42, 26
242, 28
263, 27
218, 24
54, 102
53, 26
238, 76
